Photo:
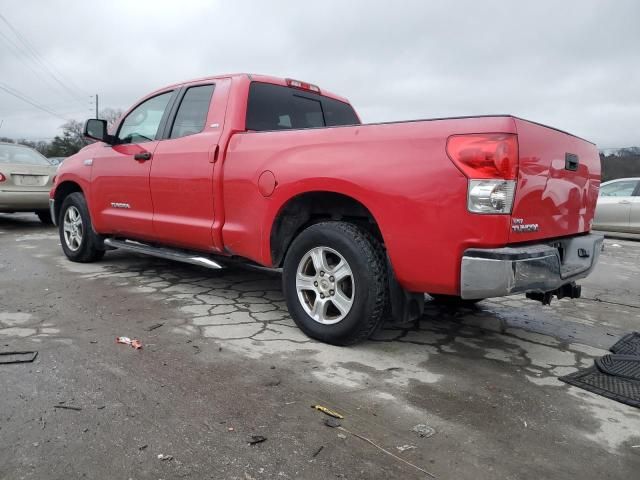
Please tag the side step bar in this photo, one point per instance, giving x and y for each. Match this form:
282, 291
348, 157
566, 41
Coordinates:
164, 252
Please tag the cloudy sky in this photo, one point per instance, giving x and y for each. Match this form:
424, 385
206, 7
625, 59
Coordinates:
571, 64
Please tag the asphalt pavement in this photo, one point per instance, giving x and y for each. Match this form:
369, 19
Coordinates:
222, 364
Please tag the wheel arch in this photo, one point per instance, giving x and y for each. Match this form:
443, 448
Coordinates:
305, 209
63, 190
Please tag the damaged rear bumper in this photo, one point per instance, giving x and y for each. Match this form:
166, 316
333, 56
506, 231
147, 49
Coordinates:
541, 268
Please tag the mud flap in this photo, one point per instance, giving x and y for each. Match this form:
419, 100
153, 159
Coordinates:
405, 307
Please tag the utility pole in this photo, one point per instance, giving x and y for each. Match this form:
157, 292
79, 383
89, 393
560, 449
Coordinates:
96, 105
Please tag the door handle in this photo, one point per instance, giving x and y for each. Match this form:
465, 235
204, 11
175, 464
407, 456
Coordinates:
624, 202
142, 156
213, 154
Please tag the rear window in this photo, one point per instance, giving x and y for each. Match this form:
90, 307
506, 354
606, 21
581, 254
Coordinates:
274, 107
21, 155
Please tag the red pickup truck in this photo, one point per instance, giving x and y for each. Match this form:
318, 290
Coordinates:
362, 219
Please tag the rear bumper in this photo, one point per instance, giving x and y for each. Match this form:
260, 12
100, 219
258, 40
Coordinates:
542, 267
21, 201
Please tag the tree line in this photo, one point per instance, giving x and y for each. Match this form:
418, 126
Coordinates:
622, 163
71, 140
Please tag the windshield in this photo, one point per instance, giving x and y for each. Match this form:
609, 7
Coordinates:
21, 155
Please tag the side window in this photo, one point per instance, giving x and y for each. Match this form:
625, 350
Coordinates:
141, 125
619, 189
192, 113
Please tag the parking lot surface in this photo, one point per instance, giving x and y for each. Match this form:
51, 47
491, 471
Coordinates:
222, 361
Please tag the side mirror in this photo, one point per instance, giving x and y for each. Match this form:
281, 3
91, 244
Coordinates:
96, 129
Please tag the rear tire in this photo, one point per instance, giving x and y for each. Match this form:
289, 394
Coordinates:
454, 300
335, 282
44, 216
79, 242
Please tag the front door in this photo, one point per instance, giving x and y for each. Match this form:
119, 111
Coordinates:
614, 205
120, 173
182, 186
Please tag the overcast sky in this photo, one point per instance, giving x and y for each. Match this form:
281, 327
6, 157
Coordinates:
571, 64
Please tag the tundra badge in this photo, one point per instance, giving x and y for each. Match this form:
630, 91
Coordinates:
518, 226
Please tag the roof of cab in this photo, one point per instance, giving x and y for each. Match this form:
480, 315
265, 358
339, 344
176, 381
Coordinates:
252, 78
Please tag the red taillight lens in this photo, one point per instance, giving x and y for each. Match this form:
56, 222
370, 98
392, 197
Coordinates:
485, 155
2, 177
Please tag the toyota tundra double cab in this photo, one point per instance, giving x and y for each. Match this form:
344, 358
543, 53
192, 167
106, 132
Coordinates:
362, 219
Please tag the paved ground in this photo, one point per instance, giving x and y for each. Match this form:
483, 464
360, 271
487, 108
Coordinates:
228, 363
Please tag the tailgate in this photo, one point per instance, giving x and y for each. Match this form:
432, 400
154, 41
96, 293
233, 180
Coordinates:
558, 183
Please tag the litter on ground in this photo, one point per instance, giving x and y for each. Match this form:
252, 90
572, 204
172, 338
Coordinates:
135, 343
326, 411
17, 357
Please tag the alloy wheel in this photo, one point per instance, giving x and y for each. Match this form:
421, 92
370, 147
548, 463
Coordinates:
325, 285
73, 228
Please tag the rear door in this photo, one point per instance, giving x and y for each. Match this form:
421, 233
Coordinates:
181, 182
120, 192
558, 182
614, 205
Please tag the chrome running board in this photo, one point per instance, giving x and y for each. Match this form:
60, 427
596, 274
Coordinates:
164, 252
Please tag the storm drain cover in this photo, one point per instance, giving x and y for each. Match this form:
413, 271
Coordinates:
614, 376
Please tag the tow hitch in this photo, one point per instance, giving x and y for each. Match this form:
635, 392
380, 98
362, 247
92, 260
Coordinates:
569, 290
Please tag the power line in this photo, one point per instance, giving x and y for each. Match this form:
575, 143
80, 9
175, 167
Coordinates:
24, 98
18, 52
39, 60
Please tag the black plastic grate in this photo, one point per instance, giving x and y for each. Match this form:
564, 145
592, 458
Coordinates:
627, 366
616, 388
628, 345
614, 376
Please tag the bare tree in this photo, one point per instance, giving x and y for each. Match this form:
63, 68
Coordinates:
112, 116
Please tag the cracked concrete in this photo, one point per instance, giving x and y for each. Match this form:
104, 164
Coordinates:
485, 377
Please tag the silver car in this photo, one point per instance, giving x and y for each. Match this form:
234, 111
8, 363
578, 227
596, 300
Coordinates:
26, 177
618, 207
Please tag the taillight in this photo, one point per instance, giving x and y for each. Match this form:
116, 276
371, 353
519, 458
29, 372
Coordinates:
2, 177
302, 85
490, 162
485, 155
491, 196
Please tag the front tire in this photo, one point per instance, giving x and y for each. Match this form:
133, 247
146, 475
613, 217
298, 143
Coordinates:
335, 282
79, 242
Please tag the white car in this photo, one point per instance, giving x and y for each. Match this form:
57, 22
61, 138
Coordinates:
618, 208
